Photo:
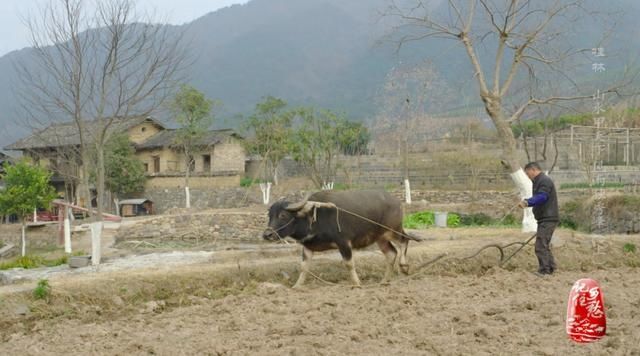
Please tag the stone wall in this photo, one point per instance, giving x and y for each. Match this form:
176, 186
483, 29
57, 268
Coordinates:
37, 237
201, 198
200, 227
197, 182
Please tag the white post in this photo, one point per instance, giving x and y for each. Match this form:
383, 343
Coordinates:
188, 197
96, 232
327, 186
525, 189
407, 191
35, 215
67, 231
265, 188
628, 150
24, 241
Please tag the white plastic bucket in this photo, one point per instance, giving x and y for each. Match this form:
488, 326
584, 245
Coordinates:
441, 218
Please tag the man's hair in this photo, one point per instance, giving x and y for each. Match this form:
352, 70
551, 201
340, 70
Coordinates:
532, 165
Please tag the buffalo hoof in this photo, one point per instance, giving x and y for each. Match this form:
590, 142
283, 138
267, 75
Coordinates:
404, 269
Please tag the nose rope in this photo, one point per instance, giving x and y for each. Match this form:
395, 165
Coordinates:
275, 231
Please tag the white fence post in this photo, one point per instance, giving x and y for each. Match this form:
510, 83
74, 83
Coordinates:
266, 192
67, 231
407, 191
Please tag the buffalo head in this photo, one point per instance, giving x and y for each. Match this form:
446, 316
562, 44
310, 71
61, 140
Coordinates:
287, 219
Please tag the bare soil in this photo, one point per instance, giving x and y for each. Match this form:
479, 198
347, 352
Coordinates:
241, 303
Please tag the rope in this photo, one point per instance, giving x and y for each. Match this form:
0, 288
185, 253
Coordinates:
414, 238
275, 231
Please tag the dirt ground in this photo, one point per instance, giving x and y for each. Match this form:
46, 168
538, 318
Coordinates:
241, 303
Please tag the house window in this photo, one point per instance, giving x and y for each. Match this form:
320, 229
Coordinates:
206, 163
143, 129
146, 167
156, 164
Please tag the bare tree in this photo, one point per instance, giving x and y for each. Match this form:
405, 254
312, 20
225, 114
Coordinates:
97, 69
408, 92
524, 37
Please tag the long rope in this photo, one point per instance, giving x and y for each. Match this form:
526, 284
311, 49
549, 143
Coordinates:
414, 238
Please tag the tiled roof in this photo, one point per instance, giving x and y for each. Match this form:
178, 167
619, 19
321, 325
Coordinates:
67, 134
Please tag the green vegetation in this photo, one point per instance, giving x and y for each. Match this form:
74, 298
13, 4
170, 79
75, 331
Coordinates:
268, 133
30, 261
246, 182
453, 220
424, 219
124, 171
26, 188
313, 137
319, 136
419, 220
629, 248
192, 112
42, 290
536, 127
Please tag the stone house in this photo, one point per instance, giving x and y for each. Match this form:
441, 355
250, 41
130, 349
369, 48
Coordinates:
220, 161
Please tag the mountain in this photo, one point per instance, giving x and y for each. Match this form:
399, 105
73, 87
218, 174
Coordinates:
326, 53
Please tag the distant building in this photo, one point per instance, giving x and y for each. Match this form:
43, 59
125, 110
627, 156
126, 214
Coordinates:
220, 159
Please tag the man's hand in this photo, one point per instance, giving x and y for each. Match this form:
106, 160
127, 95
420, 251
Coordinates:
523, 204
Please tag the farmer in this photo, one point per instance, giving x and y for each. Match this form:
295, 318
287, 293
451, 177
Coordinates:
545, 209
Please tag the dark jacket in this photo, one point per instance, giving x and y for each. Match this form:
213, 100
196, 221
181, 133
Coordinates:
548, 211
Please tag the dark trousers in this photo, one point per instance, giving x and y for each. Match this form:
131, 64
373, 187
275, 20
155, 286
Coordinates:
543, 246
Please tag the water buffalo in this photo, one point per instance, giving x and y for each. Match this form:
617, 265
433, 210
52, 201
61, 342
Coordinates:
342, 220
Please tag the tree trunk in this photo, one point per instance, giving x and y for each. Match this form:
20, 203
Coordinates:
100, 186
96, 242
276, 165
67, 230
116, 203
508, 143
85, 181
24, 238
187, 170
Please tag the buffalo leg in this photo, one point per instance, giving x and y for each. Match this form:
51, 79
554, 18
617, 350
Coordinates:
404, 245
347, 257
390, 253
304, 267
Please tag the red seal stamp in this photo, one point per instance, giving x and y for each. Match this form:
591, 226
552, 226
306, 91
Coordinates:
586, 320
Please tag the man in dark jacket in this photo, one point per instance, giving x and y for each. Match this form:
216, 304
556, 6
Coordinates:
545, 209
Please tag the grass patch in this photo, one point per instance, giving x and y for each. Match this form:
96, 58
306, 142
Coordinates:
419, 220
246, 182
425, 219
42, 290
30, 261
629, 248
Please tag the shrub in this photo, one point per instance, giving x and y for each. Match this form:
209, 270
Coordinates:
248, 181
568, 222
629, 248
30, 261
478, 219
419, 220
42, 290
453, 220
